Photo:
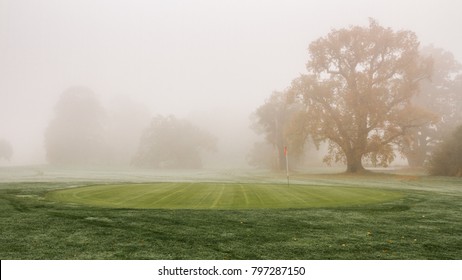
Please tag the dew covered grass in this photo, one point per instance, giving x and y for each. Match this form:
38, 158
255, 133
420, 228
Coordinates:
425, 222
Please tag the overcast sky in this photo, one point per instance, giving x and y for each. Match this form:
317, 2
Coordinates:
177, 57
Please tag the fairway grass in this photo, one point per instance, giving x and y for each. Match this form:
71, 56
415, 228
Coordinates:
180, 195
410, 217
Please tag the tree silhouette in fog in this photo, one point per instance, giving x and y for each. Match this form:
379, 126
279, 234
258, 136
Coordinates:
76, 133
6, 151
274, 120
169, 142
442, 95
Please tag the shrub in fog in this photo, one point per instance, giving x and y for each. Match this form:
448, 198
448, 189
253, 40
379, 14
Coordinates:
446, 160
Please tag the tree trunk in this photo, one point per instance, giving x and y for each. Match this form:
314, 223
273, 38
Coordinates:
416, 158
354, 163
282, 158
416, 153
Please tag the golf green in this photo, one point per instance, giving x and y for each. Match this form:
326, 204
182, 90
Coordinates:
180, 195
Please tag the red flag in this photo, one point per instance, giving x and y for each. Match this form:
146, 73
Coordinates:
285, 150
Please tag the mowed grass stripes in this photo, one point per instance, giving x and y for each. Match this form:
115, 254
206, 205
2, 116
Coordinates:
220, 196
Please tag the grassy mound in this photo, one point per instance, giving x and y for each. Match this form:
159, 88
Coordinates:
220, 196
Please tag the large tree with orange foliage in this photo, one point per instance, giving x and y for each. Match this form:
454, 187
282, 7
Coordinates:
357, 92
